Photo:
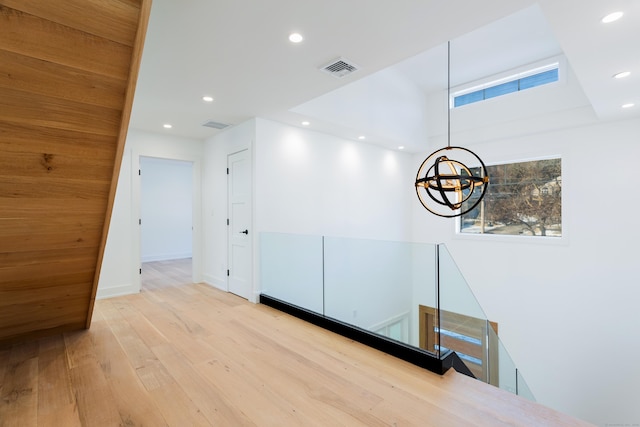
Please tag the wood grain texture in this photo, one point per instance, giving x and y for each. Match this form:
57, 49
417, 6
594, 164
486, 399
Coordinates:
67, 74
191, 355
19, 387
68, 188
56, 400
29, 138
26, 108
109, 19
39, 37
44, 78
74, 231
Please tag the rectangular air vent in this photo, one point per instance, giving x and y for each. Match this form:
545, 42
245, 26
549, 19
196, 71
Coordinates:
339, 68
215, 125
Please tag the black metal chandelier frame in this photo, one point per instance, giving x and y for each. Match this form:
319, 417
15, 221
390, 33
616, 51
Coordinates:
434, 182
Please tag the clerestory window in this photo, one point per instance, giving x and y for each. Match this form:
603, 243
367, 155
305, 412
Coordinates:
515, 83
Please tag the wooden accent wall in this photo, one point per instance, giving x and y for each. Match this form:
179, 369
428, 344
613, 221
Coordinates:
68, 70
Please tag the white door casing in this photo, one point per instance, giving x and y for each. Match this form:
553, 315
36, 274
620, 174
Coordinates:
239, 233
136, 155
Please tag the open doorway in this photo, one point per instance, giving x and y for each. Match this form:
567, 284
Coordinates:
166, 222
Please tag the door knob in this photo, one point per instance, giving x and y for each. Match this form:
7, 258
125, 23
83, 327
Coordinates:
245, 232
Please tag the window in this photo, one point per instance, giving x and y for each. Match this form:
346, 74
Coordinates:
523, 199
515, 83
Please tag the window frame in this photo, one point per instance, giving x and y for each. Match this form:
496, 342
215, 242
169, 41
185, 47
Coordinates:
563, 239
556, 62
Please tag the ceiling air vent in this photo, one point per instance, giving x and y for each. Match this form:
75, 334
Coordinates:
215, 125
339, 68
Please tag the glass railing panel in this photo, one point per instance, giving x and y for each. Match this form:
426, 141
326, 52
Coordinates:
466, 330
424, 332
463, 324
504, 373
291, 269
523, 388
455, 294
393, 289
368, 284
504, 366
381, 286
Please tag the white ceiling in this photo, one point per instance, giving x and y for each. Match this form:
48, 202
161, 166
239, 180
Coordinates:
238, 52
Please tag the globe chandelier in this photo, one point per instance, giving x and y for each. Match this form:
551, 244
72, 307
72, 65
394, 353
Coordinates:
444, 183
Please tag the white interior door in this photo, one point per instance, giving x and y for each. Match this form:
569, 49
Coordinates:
239, 230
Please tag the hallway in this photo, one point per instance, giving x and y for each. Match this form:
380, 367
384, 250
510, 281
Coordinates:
162, 274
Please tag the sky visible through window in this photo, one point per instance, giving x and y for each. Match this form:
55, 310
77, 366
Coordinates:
511, 86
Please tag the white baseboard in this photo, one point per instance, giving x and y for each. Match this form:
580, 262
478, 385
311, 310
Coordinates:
255, 297
116, 291
165, 257
215, 282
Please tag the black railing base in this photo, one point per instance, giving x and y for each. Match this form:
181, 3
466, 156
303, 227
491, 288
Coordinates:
414, 355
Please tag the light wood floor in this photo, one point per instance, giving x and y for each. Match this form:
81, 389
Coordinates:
191, 355
163, 274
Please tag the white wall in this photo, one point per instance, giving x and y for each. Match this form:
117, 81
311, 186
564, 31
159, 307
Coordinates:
312, 183
567, 309
119, 274
166, 209
116, 273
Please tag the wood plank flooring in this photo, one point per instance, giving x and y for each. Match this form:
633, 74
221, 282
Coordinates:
163, 274
191, 355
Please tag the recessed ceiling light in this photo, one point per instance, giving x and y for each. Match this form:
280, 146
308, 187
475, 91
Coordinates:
629, 105
207, 98
612, 17
361, 137
305, 123
401, 147
295, 38
167, 126
622, 75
